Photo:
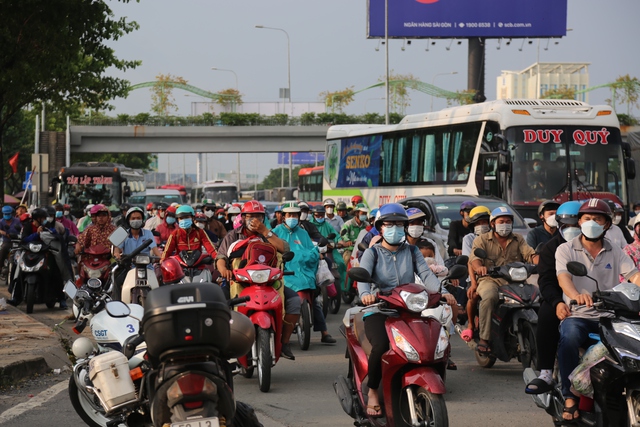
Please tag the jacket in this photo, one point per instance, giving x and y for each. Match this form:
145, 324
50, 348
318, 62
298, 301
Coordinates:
190, 239
305, 261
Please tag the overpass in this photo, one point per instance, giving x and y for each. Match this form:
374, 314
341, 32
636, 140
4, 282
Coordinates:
197, 139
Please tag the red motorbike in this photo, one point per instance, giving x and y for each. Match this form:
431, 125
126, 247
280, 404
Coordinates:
94, 264
196, 266
413, 370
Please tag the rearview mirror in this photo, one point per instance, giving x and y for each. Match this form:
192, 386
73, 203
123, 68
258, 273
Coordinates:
577, 268
70, 289
462, 260
118, 236
287, 256
480, 253
331, 236
117, 309
457, 272
359, 274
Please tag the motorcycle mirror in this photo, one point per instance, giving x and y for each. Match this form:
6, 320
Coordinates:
72, 238
480, 253
343, 232
331, 236
117, 309
70, 289
323, 242
362, 246
457, 272
359, 274
539, 248
118, 236
287, 256
577, 268
462, 260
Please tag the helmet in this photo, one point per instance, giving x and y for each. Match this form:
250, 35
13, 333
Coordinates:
162, 206
467, 205
356, 200
595, 206
220, 211
171, 271
38, 214
22, 205
151, 206
391, 212
132, 210
415, 213
478, 213
171, 211
278, 209
66, 207
185, 210
567, 213
98, 208
501, 211
209, 203
199, 206
373, 212
58, 206
252, 207
88, 208
318, 209
361, 207
636, 205
341, 206
304, 205
125, 207
328, 202
51, 211
200, 216
618, 208
548, 205
6, 209
636, 221
233, 210
291, 207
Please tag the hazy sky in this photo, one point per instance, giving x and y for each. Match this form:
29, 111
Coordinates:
330, 51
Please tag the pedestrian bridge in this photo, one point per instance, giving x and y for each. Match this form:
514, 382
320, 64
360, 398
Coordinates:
197, 139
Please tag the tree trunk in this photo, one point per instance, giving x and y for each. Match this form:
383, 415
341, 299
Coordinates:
1, 167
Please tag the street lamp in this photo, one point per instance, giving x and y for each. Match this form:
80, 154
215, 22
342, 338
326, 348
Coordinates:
231, 71
234, 110
433, 82
288, 55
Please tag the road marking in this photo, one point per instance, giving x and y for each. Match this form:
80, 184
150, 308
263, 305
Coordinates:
34, 402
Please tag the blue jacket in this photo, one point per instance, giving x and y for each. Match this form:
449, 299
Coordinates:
305, 261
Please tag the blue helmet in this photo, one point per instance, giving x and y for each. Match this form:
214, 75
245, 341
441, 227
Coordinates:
391, 212
6, 209
415, 213
373, 213
567, 213
185, 210
501, 211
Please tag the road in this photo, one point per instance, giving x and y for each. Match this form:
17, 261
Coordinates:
302, 394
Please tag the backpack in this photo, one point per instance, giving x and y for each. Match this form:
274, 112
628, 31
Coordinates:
259, 252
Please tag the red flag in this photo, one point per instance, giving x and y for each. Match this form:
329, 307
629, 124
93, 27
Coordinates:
13, 162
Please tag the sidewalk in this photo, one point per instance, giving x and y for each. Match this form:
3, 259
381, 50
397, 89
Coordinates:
27, 347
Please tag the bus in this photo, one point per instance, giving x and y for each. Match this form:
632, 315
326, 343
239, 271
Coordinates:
219, 191
523, 151
96, 182
181, 188
310, 184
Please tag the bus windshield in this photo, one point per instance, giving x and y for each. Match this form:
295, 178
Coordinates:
539, 161
79, 195
220, 195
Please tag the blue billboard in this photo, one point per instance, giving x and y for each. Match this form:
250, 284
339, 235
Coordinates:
354, 162
300, 158
468, 18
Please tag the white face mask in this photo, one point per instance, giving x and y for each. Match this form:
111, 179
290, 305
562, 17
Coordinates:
503, 230
66, 213
551, 221
617, 219
415, 231
200, 225
304, 216
208, 214
481, 229
430, 260
570, 233
329, 211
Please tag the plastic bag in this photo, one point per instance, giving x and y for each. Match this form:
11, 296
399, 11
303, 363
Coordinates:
332, 292
323, 275
580, 377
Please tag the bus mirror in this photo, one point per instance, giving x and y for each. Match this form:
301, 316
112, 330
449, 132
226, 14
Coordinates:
127, 191
626, 149
630, 165
501, 141
504, 162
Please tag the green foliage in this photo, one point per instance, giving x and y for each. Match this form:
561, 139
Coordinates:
141, 161
627, 120
563, 92
626, 89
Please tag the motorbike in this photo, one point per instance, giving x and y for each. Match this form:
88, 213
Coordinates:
305, 323
94, 264
145, 372
265, 309
12, 262
616, 389
413, 370
332, 294
195, 263
515, 319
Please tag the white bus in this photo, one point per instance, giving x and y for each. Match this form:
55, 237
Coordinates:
220, 191
484, 149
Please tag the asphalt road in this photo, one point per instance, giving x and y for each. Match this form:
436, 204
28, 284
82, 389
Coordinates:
302, 393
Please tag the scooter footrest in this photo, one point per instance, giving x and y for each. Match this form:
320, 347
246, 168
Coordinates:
345, 395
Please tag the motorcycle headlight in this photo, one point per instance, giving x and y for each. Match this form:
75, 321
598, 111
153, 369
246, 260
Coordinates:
627, 329
35, 247
142, 259
508, 300
259, 276
443, 343
92, 274
415, 302
142, 273
518, 274
405, 346
241, 278
24, 267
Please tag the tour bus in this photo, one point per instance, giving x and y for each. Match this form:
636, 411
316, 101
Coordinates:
219, 191
96, 182
181, 189
310, 184
523, 151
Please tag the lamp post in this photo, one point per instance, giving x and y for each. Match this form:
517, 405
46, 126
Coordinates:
288, 56
433, 82
386, 60
233, 110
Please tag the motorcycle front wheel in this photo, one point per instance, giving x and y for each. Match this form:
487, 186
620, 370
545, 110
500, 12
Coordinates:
30, 296
84, 408
304, 326
530, 350
430, 408
264, 359
334, 303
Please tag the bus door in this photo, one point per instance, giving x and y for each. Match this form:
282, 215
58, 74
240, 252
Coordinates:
487, 177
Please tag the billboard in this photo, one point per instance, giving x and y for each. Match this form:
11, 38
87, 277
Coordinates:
414, 19
300, 158
354, 162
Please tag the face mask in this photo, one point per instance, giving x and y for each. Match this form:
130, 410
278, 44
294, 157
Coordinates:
7, 216
592, 230
430, 260
551, 221
362, 218
481, 229
393, 235
291, 222
582, 178
66, 213
466, 217
570, 233
637, 212
320, 220
185, 223
58, 214
304, 216
504, 230
208, 214
171, 220
617, 219
220, 216
136, 224
466, 170
537, 168
48, 220
415, 231
232, 217
329, 211
200, 225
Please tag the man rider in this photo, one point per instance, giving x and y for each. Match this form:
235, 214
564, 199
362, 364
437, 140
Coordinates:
213, 224
168, 224
460, 228
278, 217
318, 219
120, 220
9, 225
549, 227
351, 229
157, 219
307, 225
341, 208
605, 262
502, 247
330, 212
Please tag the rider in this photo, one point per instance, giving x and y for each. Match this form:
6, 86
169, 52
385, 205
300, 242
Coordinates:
605, 262
397, 263
9, 225
326, 229
120, 221
137, 235
330, 212
168, 224
66, 222
305, 224
99, 232
352, 228
502, 247
232, 212
618, 232
552, 308
158, 218
549, 227
213, 225
460, 228
187, 237
341, 208
278, 217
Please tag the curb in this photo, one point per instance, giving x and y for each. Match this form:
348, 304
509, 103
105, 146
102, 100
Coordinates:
17, 371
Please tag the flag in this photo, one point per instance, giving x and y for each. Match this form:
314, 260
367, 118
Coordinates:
13, 162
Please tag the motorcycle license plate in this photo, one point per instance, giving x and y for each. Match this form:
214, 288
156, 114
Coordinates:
200, 422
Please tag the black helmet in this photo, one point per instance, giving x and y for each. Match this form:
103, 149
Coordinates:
125, 207
548, 205
38, 214
51, 211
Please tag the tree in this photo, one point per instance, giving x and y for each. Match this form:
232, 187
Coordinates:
626, 89
339, 99
399, 84
231, 97
56, 52
563, 92
163, 102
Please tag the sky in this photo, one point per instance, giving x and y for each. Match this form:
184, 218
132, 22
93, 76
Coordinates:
329, 52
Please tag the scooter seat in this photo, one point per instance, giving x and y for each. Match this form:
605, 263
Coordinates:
358, 330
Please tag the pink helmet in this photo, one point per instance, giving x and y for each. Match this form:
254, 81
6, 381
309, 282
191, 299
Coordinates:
99, 208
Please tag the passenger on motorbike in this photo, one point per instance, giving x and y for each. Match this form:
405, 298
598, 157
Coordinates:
351, 229
633, 249
9, 226
213, 225
323, 226
86, 220
549, 227
330, 212
99, 232
396, 263
168, 224
460, 228
502, 247
67, 223
201, 223
552, 308
605, 262
187, 237
157, 218
615, 234
232, 212
307, 225
278, 217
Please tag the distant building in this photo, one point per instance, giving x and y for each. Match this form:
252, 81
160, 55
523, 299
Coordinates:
536, 80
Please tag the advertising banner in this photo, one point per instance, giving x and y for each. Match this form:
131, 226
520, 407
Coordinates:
354, 162
300, 158
468, 18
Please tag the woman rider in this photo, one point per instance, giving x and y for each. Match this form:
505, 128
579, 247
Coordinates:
396, 264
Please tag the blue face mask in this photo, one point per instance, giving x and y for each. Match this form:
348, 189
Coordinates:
291, 222
171, 220
363, 218
185, 223
58, 214
393, 235
320, 220
569, 233
7, 216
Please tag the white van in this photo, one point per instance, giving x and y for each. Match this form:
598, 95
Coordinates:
154, 195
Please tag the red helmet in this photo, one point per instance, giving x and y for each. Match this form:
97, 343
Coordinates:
66, 207
200, 216
171, 271
171, 210
150, 206
252, 206
356, 199
595, 206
